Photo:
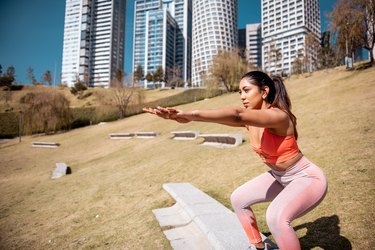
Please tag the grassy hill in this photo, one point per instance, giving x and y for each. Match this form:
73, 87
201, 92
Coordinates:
95, 96
107, 200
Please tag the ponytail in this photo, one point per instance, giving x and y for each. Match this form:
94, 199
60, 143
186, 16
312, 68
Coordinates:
277, 96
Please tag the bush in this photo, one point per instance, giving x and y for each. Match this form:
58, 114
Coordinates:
9, 123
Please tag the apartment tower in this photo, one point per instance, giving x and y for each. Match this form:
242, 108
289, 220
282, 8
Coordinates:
214, 29
290, 32
94, 38
162, 36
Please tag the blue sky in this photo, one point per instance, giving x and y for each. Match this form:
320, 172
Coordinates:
32, 32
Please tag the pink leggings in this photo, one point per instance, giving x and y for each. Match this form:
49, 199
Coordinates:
293, 193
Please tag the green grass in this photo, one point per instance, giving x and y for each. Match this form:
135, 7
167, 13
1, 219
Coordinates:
107, 200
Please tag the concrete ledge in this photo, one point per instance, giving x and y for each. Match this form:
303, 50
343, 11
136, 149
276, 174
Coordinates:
60, 170
146, 134
199, 221
45, 144
185, 135
117, 136
222, 140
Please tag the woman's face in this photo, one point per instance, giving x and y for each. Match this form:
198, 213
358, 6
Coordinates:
251, 94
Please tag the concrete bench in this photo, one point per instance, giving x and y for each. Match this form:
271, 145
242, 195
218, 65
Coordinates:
45, 144
60, 170
185, 135
222, 140
197, 221
121, 136
146, 134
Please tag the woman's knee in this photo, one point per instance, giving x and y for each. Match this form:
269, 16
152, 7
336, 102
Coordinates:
240, 199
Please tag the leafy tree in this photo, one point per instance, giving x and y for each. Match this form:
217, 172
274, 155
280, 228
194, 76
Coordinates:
138, 73
227, 68
149, 77
158, 75
47, 77
353, 22
8, 78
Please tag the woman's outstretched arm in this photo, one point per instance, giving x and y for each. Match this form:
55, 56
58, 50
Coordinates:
240, 117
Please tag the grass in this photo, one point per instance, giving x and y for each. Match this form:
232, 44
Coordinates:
107, 200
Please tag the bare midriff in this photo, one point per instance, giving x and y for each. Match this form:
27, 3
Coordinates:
282, 166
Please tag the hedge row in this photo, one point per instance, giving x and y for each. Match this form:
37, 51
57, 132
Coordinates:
80, 117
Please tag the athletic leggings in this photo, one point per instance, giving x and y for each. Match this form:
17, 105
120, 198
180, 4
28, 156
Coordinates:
293, 193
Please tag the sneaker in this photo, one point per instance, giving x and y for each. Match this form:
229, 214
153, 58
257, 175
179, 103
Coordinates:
268, 245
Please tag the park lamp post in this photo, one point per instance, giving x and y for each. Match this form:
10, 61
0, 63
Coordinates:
20, 125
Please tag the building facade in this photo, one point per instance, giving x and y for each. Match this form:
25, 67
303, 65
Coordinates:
162, 36
253, 52
290, 32
94, 40
214, 29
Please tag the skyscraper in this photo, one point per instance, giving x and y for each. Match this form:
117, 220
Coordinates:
214, 29
252, 44
94, 35
290, 28
162, 36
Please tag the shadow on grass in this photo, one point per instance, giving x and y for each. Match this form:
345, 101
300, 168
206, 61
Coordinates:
324, 233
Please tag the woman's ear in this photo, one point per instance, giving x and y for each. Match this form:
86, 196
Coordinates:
265, 92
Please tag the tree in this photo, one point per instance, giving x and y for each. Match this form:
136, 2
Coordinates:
8, 78
47, 77
30, 75
45, 111
138, 74
227, 68
354, 23
158, 75
149, 77
173, 76
122, 96
120, 75
1, 70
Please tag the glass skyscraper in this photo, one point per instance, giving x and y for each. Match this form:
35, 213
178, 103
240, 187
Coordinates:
94, 34
162, 36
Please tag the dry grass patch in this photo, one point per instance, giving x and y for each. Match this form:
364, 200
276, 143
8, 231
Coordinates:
107, 201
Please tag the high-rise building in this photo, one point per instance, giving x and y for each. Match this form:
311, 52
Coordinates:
162, 36
94, 35
253, 44
290, 31
214, 29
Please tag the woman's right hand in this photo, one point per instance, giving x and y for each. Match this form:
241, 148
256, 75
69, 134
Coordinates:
169, 113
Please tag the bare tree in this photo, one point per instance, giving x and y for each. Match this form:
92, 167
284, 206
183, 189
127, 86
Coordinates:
47, 77
354, 23
30, 75
227, 68
122, 96
173, 76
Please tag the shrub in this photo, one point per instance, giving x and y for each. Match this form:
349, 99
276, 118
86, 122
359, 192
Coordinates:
9, 125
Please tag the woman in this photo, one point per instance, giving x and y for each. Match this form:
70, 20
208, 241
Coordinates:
294, 185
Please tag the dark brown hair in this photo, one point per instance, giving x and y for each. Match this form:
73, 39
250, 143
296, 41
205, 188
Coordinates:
277, 95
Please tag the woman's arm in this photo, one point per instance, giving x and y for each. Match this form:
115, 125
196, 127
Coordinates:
239, 117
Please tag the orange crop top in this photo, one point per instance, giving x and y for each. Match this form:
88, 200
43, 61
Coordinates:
275, 148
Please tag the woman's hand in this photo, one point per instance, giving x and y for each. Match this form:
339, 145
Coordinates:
169, 113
